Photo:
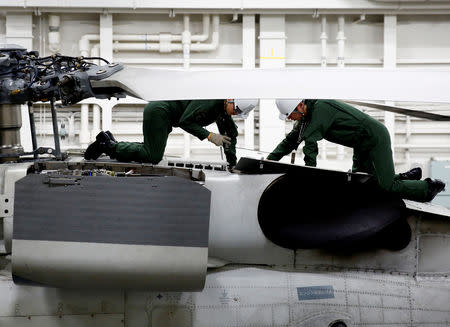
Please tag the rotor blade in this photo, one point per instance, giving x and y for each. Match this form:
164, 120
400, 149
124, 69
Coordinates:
404, 111
349, 83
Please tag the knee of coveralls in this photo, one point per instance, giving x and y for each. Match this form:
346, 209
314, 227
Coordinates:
156, 128
381, 157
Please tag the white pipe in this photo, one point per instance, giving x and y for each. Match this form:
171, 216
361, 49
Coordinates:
340, 62
341, 41
95, 52
408, 140
186, 36
214, 39
186, 42
177, 61
198, 47
95, 121
54, 37
205, 33
145, 47
87, 38
248, 62
323, 38
323, 63
71, 130
84, 126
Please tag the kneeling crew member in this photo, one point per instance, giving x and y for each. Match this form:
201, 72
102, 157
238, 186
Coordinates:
343, 124
190, 115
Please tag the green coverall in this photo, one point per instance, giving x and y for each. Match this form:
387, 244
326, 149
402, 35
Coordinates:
190, 115
340, 123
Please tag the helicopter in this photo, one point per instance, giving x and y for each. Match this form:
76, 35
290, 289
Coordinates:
105, 242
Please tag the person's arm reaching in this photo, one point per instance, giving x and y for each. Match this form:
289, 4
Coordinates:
286, 146
321, 120
190, 121
227, 127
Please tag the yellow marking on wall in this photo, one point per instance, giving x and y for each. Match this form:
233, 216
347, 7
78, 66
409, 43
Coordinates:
272, 57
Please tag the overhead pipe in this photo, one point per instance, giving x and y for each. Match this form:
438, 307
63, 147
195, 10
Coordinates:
54, 37
323, 63
186, 42
84, 126
197, 47
341, 41
95, 52
340, 63
205, 32
186, 55
323, 38
84, 43
214, 44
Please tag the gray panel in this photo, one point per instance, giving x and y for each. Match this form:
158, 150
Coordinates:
116, 266
427, 207
441, 170
434, 254
110, 320
21, 301
139, 210
402, 261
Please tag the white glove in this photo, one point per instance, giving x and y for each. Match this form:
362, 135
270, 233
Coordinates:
218, 139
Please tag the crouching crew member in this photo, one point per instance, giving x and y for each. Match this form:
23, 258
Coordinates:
343, 124
190, 115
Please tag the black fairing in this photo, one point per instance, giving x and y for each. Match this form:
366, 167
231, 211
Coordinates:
306, 210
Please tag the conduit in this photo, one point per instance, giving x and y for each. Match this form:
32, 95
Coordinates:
340, 38
165, 39
340, 63
323, 38
54, 37
323, 63
84, 125
169, 47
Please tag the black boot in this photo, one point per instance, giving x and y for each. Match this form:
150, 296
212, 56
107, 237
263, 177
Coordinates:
413, 174
434, 187
114, 140
104, 143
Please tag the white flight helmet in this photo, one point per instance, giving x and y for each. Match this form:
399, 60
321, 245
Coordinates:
287, 106
244, 106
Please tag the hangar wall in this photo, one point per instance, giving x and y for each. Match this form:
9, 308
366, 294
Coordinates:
303, 36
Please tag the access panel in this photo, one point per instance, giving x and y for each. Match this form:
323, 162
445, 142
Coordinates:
111, 232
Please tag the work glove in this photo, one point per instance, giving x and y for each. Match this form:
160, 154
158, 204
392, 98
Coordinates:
219, 140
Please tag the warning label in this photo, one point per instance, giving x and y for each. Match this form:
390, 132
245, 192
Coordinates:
315, 292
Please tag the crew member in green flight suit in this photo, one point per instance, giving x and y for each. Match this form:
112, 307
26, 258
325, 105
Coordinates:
343, 124
190, 115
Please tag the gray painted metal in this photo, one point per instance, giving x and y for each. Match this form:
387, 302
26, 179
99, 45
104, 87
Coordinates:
249, 296
370, 288
103, 265
167, 211
9, 174
403, 261
434, 258
10, 124
139, 232
234, 233
427, 207
441, 170
44, 306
